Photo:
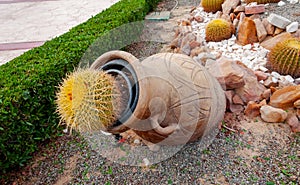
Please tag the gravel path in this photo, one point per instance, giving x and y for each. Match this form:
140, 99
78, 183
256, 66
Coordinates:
249, 152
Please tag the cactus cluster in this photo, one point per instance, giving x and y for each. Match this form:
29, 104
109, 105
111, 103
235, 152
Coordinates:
212, 5
218, 29
262, 1
284, 57
86, 100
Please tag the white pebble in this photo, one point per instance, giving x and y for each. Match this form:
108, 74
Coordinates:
281, 3
289, 78
263, 69
275, 74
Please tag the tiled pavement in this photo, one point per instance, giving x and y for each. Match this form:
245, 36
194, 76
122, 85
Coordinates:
25, 24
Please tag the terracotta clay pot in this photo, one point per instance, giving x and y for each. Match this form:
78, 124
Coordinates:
172, 99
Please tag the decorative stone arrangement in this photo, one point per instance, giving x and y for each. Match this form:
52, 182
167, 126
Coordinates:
240, 63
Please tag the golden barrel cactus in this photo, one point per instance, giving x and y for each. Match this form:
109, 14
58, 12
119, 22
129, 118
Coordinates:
262, 1
212, 5
284, 57
87, 101
218, 29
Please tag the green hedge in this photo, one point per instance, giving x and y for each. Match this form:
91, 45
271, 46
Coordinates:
29, 82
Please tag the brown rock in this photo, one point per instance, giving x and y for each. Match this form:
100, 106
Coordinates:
226, 17
185, 44
260, 75
270, 83
232, 16
229, 5
228, 72
272, 115
236, 108
199, 19
239, 9
285, 97
194, 44
230, 104
260, 29
241, 16
247, 32
269, 27
255, 9
253, 109
298, 113
252, 89
270, 43
278, 31
236, 99
294, 123
235, 23
297, 104
255, 16
266, 94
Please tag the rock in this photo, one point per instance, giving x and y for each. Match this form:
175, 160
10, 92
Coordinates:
253, 109
260, 29
266, 94
285, 97
294, 123
185, 44
270, 43
194, 44
293, 27
293, 1
235, 23
255, 9
228, 72
237, 100
271, 82
298, 113
260, 75
232, 16
235, 108
229, 5
247, 32
278, 31
239, 9
226, 17
272, 115
278, 21
297, 104
269, 27
199, 19
252, 89
281, 3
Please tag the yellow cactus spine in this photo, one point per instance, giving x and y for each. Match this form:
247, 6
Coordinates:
218, 30
87, 100
212, 5
284, 57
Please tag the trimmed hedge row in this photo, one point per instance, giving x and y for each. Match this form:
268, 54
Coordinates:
29, 82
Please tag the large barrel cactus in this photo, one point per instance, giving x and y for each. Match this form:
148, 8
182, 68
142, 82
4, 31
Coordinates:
212, 5
87, 100
284, 57
218, 29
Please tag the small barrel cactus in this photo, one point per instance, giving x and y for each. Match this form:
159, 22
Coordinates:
212, 5
218, 29
284, 57
86, 100
262, 1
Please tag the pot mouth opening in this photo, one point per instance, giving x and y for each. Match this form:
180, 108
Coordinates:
124, 73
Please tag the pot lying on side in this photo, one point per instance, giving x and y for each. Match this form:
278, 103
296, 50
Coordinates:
171, 99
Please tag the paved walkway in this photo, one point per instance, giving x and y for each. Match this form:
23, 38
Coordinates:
29, 23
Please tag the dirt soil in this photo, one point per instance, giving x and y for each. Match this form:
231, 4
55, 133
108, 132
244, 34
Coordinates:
245, 151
